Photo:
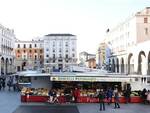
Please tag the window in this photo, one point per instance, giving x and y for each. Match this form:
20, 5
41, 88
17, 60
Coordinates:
47, 55
66, 55
18, 45
35, 45
60, 50
47, 49
35, 51
24, 46
60, 56
40, 56
35, 57
145, 20
24, 51
53, 44
66, 50
146, 31
18, 51
53, 55
66, 43
72, 49
30, 51
53, 50
30, 46
47, 61
40, 51
73, 55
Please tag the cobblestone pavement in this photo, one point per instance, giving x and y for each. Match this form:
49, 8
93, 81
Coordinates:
10, 100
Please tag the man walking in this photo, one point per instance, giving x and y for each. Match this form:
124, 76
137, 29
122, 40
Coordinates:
101, 97
116, 98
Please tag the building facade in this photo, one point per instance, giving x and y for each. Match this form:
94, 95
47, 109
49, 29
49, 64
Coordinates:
87, 59
127, 47
100, 55
7, 41
29, 55
60, 51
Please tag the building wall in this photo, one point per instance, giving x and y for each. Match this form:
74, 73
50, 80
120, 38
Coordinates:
7, 38
129, 47
100, 56
60, 51
29, 55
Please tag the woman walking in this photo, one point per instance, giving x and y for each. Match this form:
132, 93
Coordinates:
116, 98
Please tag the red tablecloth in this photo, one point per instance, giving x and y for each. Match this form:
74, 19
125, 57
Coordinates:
81, 99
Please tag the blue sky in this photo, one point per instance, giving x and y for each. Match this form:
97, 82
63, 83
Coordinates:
88, 19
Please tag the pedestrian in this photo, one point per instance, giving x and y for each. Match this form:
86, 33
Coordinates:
127, 94
109, 95
101, 97
148, 96
0, 85
116, 98
50, 96
3, 84
9, 84
143, 95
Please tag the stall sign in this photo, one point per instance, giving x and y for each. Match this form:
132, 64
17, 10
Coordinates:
73, 78
90, 79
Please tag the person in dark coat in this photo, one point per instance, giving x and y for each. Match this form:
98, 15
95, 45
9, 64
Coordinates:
143, 95
116, 99
101, 97
109, 95
127, 94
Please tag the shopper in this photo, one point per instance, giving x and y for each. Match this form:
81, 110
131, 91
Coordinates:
116, 98
109, 95
101, 97
127, 94
148, 96
143, 95
50, 96
76, 94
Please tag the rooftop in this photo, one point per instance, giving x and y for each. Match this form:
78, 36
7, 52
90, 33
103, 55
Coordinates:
59, 34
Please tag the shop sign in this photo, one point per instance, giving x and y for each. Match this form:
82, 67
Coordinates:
90, 79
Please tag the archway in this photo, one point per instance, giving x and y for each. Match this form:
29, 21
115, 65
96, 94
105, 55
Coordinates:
142, 63
122, 65
24, 66
10, 69
113, 65
2, 66
148, 62
117, 65
6, 65
109, 67
130, 64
